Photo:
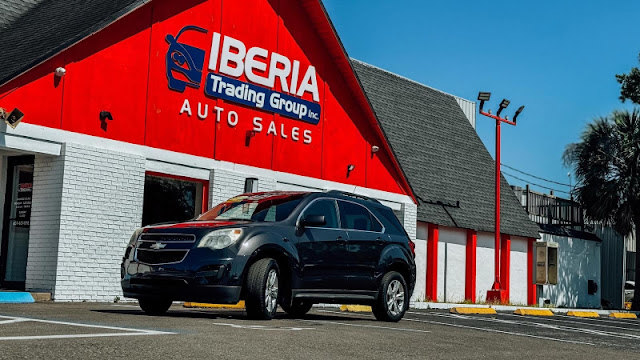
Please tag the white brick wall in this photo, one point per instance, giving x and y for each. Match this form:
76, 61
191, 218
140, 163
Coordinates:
45, 223
102, 194
410, 219
225, 184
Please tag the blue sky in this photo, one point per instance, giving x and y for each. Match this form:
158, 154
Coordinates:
558, 58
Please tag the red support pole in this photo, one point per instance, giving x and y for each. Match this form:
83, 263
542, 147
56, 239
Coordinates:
496, 284
470, 275
431, 291
505, 267
531, 286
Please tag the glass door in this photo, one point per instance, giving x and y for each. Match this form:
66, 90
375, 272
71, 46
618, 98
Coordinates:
16, 222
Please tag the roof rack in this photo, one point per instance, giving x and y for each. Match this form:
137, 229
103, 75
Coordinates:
345, 193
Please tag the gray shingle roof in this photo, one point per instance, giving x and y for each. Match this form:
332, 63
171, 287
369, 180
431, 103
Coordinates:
32, 31
441, 154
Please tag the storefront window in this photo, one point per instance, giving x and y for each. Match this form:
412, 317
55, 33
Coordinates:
171, 199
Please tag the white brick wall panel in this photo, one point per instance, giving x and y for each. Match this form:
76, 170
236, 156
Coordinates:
45, 223
97, 215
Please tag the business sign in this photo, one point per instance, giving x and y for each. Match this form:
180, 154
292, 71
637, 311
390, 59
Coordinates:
229, 59
23, 200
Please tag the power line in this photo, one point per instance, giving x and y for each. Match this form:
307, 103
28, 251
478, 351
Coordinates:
538, 185
534, 176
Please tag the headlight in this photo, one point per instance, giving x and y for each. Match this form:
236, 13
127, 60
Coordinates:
220, 239
134, 237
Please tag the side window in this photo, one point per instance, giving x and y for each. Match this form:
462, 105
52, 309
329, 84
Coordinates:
356, 217
324, 207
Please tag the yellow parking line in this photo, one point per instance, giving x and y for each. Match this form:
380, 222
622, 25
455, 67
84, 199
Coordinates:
472, 310
355, 308
239, 305
533, 312
620, 315
584, 314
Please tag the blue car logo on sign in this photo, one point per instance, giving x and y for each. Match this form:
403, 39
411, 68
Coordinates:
184, 59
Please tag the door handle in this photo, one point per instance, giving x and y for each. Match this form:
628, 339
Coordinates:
341, 241
380, 241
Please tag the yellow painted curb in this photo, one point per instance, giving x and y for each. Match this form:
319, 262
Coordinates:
239, 305
355, 308
619, 315
584, 314
472, 310
534, 312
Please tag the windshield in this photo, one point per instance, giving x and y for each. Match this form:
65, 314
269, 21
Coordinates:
267, 207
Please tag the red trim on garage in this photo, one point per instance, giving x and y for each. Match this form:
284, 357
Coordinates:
470, 275
205, 185
531, 286
505, 264
431, 292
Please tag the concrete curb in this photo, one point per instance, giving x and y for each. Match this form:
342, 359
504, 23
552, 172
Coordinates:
583, 314
467, 310
625, 315
533, 312
239, 305
419, 305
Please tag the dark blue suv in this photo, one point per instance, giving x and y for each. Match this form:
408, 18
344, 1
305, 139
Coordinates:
288, 248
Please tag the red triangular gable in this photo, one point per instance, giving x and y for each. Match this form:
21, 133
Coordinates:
264, 83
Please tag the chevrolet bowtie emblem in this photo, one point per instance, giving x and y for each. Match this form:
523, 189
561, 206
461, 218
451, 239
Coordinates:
158, 246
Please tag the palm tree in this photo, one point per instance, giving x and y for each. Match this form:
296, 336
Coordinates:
606, 162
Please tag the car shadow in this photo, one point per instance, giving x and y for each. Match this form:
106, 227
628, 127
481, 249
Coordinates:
195, 313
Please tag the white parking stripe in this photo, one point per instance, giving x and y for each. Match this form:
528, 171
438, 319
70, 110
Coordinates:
123, 331
500, 331
12, 321
74, 336
594, 322
482, 329
540, 325
366, 326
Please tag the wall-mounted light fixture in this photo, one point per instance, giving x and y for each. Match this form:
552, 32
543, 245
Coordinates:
13, 118
60, 71
350, 168
105, 115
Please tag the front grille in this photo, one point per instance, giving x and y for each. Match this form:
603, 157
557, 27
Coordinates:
167, 237
157, 257
159, 282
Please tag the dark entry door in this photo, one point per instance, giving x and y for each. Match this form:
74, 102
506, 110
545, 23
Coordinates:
16, 222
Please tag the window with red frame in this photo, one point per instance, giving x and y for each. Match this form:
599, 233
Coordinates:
170, 198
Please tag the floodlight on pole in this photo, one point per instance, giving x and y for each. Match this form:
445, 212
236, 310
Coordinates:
497, 293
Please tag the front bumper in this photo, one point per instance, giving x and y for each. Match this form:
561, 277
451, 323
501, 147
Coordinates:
178, 289
200, 277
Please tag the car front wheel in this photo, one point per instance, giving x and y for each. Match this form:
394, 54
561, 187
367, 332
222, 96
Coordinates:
392, 300
262, 289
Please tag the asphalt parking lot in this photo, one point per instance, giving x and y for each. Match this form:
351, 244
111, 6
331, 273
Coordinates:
109, 331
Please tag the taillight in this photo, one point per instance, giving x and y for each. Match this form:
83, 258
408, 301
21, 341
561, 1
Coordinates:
412, 245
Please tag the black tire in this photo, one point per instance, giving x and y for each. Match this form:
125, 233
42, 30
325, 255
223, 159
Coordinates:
259, 279
385, 308
297, 309
154, 307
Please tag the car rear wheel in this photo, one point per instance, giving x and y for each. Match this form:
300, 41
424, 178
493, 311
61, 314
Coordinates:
154, 307
262, 289
298, 308
392, 300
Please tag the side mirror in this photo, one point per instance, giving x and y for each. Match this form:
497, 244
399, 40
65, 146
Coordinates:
314, 220
310, 220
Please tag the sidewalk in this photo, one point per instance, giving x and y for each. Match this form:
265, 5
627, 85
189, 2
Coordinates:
506, 308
